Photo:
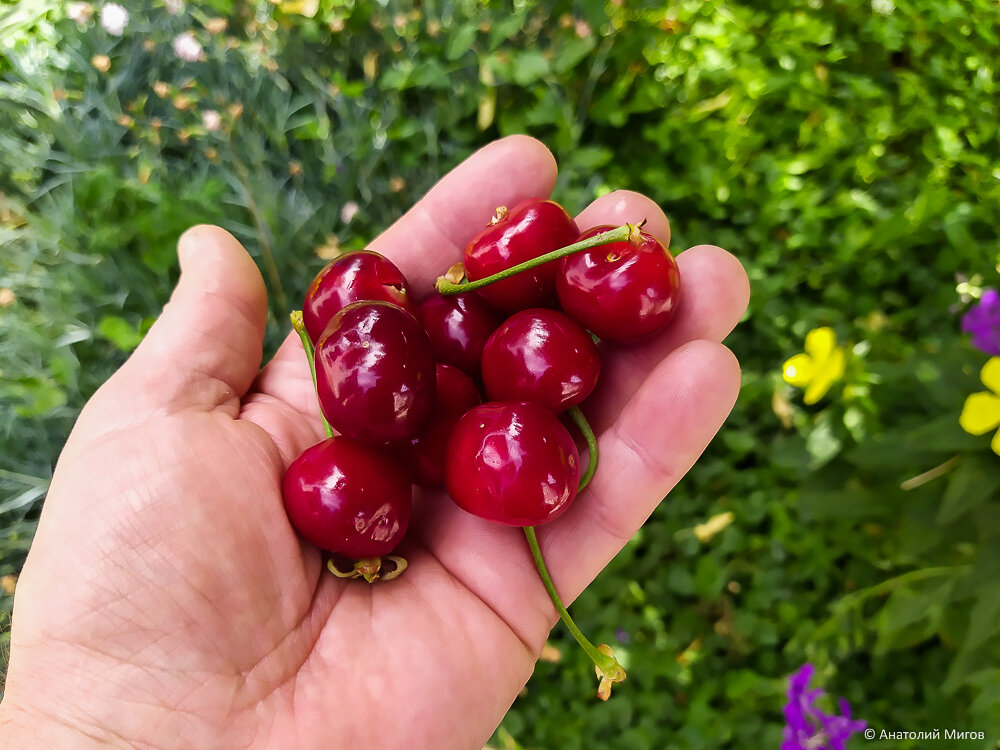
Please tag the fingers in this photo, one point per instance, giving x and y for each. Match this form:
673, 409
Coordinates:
626, 207
662, 430
430, 237
283, 402
660, 433
714, 294
205, 348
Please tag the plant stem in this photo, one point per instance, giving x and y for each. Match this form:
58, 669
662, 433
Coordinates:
300, 328
626, 232
588, 434
931, 474
608, 668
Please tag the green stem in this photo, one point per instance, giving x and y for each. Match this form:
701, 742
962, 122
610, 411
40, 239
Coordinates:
300, 328
627, 232
588, 434
608, 668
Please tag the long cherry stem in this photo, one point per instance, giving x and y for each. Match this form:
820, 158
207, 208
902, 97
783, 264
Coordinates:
607, 666
300, 328
626, 232
588, 434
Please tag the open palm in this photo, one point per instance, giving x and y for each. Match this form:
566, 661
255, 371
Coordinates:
166, 602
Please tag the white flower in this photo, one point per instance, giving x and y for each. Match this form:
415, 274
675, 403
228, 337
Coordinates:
349, 211
883, 7
186, 47
79, 12
175, 7
114, 19
211, 119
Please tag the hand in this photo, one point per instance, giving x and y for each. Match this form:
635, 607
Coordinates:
166, 602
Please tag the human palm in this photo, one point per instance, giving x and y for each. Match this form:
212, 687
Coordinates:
166, 602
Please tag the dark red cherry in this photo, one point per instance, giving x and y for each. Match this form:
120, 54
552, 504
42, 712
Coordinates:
532, 228
622, 291
458, 326
425, 454
513, 463
353, 277
375, 373
542, 356
347, 498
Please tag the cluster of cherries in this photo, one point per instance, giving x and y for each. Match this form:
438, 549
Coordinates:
401, 383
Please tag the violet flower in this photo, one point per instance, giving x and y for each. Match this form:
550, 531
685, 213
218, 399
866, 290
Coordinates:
983, 322
809, 728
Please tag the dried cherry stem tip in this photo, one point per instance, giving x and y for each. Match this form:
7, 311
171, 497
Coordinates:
618, 234
608, 670
588, 434
634, 235
370, 568
300, 328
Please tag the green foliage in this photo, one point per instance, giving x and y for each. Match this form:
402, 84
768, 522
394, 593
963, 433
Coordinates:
846, 152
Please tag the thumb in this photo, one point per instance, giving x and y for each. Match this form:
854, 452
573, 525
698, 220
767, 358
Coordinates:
205, 348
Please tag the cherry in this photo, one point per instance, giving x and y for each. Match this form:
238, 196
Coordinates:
622, 291
458, 327
353, 277
425, 454
513, 463
375, 373
532, 228
347, 498
542, 356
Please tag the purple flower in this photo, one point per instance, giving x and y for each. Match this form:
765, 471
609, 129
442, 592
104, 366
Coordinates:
983, 323
809, 728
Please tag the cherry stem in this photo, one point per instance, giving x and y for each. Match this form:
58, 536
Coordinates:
588, 434
300, 328
608, 669
628, 232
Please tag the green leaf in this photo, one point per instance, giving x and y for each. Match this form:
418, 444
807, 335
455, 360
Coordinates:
528, 67
36, 396
911, 615
822, 443
461, 41
975, 480
984, 617
119, 332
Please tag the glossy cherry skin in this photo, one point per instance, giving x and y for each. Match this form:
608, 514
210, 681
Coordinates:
512, 462
353, 277
375, 373
347, 498
458, 326
532, 228
542, 356
425, 454
621, 291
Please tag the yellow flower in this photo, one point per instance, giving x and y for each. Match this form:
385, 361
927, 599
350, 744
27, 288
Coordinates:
982, 410
819, 367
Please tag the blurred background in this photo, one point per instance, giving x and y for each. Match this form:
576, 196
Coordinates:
847, 152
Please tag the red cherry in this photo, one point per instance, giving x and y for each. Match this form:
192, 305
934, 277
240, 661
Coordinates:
353, 277
542, 356
375, 373
513, 463
621, 291
532, 228
458, 326
347, 498
425, 454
